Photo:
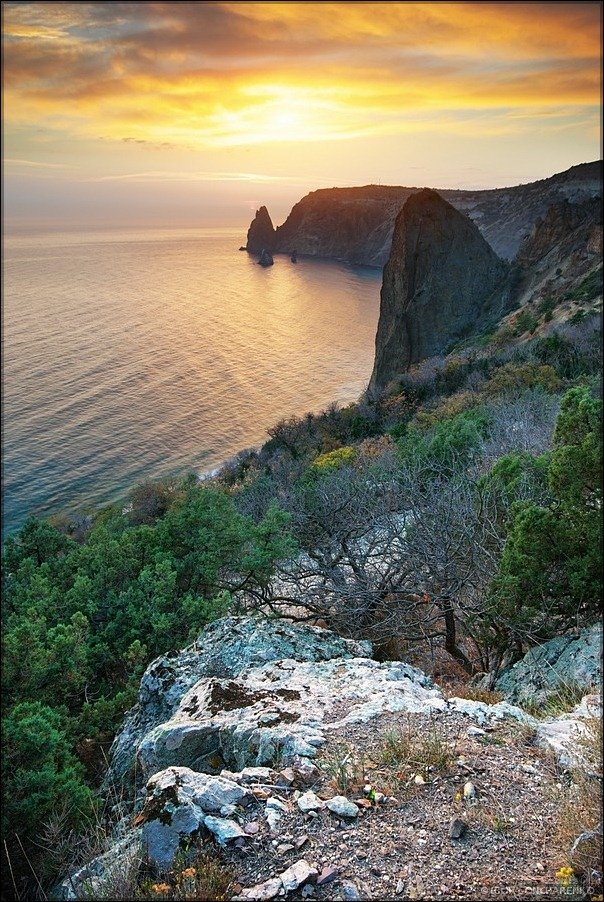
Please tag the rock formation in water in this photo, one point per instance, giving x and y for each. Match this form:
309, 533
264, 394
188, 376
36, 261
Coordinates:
356, 224
261, 234
441, 279
265, 259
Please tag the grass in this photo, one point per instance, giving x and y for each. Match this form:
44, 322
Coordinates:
409, 750
560, 701
459, 689
580, 813
345, 766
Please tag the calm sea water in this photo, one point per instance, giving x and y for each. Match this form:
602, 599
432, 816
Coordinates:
132, 356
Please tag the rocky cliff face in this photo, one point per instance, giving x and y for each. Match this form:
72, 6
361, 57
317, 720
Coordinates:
356, 224
441, 279
261, 234
562, 248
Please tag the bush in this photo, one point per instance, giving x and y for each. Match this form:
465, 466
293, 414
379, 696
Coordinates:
512, 378
333, 460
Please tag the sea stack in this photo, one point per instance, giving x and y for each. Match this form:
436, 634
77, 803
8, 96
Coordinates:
261, 234
441, 278
265, 258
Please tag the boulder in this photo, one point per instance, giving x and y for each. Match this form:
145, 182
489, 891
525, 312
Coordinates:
261, 234
265, 259
566, 735
224, 649
573, 660
280, 709
441, 280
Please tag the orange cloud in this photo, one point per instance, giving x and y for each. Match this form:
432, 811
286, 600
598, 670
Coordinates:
228, 74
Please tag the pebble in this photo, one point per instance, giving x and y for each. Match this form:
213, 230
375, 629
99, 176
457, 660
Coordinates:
327, 875
342, 807
251, 828
349, 892
457, 828
469, 791
300, 841
309, 802
284, 847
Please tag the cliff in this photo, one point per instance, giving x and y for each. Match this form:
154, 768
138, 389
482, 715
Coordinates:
356, 224
440, 280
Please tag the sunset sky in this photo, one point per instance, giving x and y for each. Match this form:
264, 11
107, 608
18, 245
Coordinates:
170, 114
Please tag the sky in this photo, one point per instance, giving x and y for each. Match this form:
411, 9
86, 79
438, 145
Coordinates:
194, 114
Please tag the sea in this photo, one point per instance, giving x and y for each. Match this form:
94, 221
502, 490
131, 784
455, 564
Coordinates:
135, 355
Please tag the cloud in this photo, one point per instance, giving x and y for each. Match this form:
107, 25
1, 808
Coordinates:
231, 74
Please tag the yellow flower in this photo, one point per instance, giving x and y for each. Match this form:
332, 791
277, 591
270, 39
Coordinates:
188, 872
564, 875
161, 887
458, 797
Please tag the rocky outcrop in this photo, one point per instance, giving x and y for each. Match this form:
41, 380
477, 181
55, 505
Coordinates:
266, 724
356, 224
441, 280
261, 234
265, 259
224, 649
573, 661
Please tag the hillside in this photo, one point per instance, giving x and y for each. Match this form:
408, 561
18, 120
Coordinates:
356, 224
361, 661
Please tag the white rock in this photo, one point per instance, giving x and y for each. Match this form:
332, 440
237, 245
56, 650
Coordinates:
262, 892
224, 830
310, 802
341, 806
299, 873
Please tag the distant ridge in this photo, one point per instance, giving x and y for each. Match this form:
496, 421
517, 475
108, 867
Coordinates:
356, 224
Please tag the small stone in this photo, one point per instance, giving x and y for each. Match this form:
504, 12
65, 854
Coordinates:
228, 810
277, 804
309, 802
284, 847
419, 780
327, 875
400, 886
299, 873
375, 871
252, 828
362, 803
361, 855
286, 777
308, 891
301, 841
528, 768
256, 774
262, 892
306, 772
476, 731
224, 830
469, 791
349, 892
379, 798
457, 828
340, 806
367, 787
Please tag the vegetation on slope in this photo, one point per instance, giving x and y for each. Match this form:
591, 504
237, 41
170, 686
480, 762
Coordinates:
460, 508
